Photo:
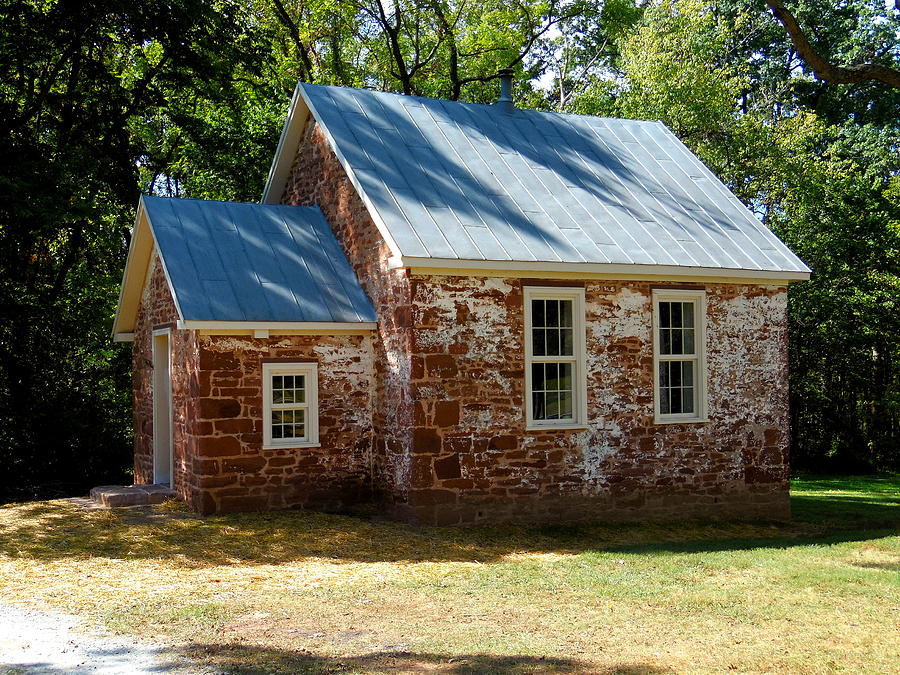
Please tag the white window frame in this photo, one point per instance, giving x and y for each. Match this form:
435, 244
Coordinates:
579, 370
698, 297
310, 371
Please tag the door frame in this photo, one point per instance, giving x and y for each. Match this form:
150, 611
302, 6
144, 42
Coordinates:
163, 441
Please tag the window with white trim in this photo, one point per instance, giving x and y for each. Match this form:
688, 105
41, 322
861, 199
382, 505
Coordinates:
290, 405
679, 358
555, 383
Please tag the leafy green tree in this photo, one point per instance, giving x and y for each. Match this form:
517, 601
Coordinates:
822, 181
80, 83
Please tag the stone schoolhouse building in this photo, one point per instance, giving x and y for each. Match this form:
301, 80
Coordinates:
463, 313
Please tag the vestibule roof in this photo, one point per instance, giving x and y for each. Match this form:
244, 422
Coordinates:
226, 263
467, 184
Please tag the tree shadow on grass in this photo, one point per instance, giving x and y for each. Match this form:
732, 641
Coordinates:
64, 530
258, 660
251, 660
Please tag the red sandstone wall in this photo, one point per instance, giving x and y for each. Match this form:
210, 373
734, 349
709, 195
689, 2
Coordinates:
157, 309
448, 439
233, 473
318, 178
219, 462
472, 458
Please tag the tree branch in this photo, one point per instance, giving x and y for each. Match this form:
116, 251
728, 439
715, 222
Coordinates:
302, 49
863, 72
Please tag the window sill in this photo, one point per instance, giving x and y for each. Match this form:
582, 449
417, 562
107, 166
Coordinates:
291, 446
680, 420
556, 427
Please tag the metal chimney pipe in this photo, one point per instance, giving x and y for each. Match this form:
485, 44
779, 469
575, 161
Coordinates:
505, 102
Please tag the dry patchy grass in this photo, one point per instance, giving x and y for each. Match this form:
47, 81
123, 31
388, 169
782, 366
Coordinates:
307, 592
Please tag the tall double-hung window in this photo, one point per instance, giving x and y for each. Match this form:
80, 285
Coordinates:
679, 359
555, 379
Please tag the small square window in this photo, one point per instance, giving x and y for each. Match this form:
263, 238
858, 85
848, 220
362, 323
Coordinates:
290, 405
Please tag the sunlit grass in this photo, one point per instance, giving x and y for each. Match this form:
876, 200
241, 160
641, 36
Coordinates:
307, 592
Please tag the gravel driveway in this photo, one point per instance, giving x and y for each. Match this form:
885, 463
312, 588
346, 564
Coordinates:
33, 641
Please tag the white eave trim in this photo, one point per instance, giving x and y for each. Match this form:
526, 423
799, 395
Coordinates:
288, 143
134, 277
264, 328
607, 270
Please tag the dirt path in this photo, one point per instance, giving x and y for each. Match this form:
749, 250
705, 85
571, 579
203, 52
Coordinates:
33, 641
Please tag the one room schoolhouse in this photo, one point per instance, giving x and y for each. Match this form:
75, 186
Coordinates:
463, 313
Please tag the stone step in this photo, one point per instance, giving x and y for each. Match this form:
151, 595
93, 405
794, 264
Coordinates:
131, 495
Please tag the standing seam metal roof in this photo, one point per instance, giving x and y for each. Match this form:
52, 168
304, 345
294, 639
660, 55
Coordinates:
231, 261
470, 182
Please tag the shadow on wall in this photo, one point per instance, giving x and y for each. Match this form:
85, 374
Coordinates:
63, 529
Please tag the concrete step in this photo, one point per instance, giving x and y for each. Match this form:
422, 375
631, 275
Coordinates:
131, 495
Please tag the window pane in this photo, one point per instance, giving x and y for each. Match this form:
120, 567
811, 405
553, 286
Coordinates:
565, 405
675, 373
538, 411
665, 320
552, 399
276, 382
277, 431
677, 343
552, 375
287, 396
539, 342
687, 369
664, 388
552, 342
277, 396
565, 313
675, 400
688, 341
676, 314
537, 376
552, 313
687, 400
567, 343
665, 341
565, 376
538, 317
687, 314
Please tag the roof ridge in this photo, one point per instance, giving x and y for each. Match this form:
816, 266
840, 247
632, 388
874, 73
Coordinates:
380, 92
231, 201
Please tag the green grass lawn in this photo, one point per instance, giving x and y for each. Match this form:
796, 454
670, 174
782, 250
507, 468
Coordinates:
306, 592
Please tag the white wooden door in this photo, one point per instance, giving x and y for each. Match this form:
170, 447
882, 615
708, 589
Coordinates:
162, 408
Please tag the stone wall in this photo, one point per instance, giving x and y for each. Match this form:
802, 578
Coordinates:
233, 472
449, 443
472, 458
318, 178
219, 463
157, 310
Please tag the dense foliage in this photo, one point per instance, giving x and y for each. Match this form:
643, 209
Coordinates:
103, 99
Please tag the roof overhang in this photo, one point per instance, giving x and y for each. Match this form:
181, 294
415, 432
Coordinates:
141, 251
263, 329
291, 135
582, 270
137, 268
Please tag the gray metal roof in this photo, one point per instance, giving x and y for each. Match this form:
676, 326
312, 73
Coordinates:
469, 182
231, 261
